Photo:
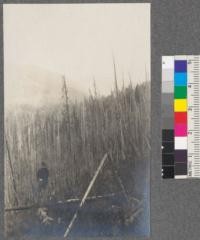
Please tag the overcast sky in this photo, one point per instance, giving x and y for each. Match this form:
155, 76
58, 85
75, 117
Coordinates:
78, 40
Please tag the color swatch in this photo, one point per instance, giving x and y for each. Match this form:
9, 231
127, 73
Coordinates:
180, 107
168, 117
180, 117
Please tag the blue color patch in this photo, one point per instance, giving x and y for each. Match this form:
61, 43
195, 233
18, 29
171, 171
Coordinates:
180, 66
180, 79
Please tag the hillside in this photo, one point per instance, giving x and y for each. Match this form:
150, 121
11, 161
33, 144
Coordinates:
36, 87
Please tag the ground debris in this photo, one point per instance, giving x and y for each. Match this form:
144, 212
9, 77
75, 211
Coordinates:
42, 213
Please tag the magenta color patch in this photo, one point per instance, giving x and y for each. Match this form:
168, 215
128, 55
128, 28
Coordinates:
180, 129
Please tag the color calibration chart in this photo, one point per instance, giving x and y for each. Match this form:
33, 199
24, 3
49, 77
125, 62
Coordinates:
181, 116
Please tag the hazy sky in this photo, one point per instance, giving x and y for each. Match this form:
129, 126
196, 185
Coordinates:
78, 40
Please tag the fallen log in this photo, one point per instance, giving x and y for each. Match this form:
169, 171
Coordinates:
85, 195
72, 200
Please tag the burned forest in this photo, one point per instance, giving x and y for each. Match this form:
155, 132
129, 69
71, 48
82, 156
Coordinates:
71, 138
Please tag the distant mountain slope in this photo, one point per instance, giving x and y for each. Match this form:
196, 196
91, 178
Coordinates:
34, 86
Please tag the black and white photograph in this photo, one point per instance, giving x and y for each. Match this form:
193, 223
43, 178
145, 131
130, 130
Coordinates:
76, 120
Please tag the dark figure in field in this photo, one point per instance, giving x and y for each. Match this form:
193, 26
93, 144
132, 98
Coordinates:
42, 177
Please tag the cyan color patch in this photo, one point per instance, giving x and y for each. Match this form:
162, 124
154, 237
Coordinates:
180, 79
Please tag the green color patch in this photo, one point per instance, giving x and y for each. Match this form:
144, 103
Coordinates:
180, 92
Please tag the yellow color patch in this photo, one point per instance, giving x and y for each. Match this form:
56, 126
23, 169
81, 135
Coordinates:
180, 105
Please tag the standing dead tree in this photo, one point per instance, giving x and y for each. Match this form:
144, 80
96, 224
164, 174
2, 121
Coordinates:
67, 111
12, 171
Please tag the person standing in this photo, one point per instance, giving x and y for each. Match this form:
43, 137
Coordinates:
42, 178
